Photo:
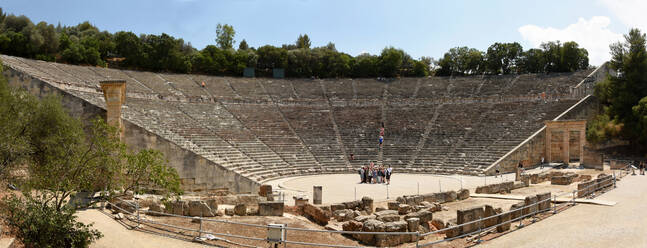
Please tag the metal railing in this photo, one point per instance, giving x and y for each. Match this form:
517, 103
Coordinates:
532, 210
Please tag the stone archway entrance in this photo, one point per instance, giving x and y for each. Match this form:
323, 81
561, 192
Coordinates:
565, 140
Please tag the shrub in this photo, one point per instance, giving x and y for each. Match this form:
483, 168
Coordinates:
39, 224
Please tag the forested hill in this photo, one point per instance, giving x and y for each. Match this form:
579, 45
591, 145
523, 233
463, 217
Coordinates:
86, 44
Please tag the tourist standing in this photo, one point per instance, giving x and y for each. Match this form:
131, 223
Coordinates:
374, 175
361, 175
380, 175
389, 171
381, 139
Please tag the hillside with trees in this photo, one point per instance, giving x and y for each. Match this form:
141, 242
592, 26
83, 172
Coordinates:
85, 44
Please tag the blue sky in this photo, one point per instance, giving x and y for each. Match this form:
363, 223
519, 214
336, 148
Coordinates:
422, 28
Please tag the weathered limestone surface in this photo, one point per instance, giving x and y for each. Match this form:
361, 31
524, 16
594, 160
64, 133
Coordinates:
274, 208
315, 213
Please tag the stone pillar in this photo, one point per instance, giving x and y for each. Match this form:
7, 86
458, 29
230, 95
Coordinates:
582, 143
548, 137
114, 92
317, 192
565, 145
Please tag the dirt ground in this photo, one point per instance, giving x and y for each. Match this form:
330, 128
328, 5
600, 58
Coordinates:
231, 230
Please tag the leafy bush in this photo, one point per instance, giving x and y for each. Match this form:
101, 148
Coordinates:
39, 224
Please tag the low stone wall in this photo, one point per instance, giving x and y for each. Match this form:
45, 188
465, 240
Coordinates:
565, 179
495, 188
588, 187
316, 214
539, 177
247, 199
475, 213
366, 204
442, 197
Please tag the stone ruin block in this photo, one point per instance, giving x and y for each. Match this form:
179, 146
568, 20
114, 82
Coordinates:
200, 209
372, 226
393, 205
544, 201
442, 197
516, 211
274, 208
503, 219
317, 214
526, 180
404, 209
300, 201
352, 204
463, 194
452, 230
467, 215
423, 215
393, 240
584, 178
317, 194
561, 180
367, 203
240, 209
529, 201
353, 226
178, 208
338, 206
604, 181
265, 190
490, 211
585, 188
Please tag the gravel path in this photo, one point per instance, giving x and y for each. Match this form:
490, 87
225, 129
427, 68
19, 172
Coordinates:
117, 235
623, 225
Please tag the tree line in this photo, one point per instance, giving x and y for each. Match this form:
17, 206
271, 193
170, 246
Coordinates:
85, 44
510, 58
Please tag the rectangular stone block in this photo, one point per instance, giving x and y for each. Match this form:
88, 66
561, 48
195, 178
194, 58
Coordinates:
530, 201
515, 210
274, 208
487, 212
467, 215
544, 201
317, 194
317, 214
502, 219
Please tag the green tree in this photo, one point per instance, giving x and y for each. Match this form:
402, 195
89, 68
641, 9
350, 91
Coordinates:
243, 45
533, 61
503, 58
225, 36
129, 46
365, 66
272, 57
461, 61
623, 95
16, 117
390, 61
303, 41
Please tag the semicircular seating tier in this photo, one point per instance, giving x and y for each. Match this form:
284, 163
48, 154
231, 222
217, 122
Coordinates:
264, 128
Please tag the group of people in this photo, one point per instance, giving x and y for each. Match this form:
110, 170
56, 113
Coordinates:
375, 174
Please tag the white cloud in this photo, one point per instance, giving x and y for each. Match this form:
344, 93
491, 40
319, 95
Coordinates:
629, 12
593, 34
